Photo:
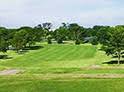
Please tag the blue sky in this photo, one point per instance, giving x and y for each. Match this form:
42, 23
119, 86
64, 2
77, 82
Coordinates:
16, 13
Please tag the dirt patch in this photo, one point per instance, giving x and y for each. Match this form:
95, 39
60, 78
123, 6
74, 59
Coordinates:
95, 67
99, 67
103, 75
10, 72
78, 76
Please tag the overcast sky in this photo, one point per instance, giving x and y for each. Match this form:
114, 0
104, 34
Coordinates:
15, 13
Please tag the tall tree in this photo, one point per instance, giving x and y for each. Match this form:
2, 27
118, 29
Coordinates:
39, 33
3, 39
29, 35
19, 40
61, 33
47, 27
75, 32
115, 43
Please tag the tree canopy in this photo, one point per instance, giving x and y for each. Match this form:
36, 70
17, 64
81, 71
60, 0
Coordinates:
111, 38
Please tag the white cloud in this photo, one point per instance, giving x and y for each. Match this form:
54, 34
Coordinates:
86, 12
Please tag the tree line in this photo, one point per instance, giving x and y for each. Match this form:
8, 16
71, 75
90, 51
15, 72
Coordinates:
111, 38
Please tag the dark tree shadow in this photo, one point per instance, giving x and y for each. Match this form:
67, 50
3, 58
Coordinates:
100, 49
122, 52
113, 62
5, 57
25, 50
117, 56
33, 48
22, 51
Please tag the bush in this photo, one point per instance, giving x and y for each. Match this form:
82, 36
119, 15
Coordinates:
60, 41
49, 40
77, 42
94, 41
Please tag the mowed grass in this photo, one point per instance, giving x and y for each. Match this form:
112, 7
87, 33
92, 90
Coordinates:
54, 58
32, 84
64, 58
45, 70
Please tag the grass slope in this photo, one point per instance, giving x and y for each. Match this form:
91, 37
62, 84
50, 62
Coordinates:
60, 59
53, 57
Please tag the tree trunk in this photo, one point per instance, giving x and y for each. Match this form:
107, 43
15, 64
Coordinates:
119, 57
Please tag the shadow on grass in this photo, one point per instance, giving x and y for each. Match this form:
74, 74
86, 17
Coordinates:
25, 50
22, 51
64, 70
117, 56
113, 62
33, 48
5, 57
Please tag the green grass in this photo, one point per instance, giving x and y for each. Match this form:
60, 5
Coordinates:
32, 84
51, 57
60, 59
56, 60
